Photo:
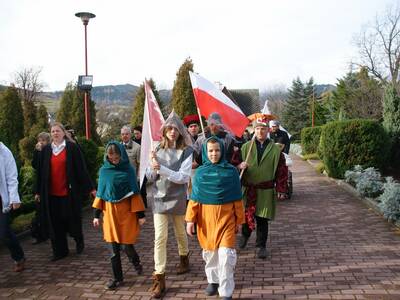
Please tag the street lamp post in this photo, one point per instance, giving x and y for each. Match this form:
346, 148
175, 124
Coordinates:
85, 17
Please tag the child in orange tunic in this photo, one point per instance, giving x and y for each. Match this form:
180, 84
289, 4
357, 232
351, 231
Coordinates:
216, 206
119, 199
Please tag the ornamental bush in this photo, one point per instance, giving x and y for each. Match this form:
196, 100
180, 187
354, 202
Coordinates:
390, 200
295, 148
368, 182
310, 139
345, 144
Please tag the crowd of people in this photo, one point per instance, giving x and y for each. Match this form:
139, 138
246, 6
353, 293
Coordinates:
209, 184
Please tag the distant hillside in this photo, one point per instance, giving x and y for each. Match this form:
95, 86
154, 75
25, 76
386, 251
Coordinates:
115, 94
165, 96
322, 88
122, 94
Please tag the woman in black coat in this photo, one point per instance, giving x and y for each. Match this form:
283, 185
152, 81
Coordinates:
62, 184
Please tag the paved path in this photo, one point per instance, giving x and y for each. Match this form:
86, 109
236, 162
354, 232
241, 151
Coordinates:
324, 244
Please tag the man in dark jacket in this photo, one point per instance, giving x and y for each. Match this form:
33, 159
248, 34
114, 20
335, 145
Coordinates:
276, 133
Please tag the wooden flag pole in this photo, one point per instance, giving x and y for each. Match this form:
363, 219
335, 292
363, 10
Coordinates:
248, 154
201, 121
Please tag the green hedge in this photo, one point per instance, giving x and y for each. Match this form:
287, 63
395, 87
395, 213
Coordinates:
310, 139
345, 144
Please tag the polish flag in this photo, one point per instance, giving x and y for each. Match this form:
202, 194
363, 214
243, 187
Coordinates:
209, 98
152, 122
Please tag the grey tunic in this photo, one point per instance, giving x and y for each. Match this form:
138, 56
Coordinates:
167, 197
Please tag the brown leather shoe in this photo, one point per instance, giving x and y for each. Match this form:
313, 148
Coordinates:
19, 265
158, 288
183, 264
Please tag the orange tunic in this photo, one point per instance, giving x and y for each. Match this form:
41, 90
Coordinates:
216, 224
120, 223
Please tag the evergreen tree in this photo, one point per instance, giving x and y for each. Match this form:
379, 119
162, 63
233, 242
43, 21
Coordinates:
182, 94
358, 96
138, 109
391, 110
27, 144
11, 119
42, 119
391, 120
64, 113
296, 113
30, 113
77, 121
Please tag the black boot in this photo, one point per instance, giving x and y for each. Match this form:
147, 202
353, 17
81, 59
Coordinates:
80, 245
211, 289
243, 241
116, 263
262, 253
134, 258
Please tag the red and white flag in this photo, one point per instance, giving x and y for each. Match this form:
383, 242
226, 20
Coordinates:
209, 98
152, 122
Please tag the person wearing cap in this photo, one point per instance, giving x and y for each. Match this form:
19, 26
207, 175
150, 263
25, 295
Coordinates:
192, 123
264, 180
215, 128
168, 177
276, 133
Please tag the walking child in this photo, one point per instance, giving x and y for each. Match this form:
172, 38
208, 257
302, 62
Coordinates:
118, 197
216, 206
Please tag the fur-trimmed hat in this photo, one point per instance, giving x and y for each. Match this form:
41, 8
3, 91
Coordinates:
191, 119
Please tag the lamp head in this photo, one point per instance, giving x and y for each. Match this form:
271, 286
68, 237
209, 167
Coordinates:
85, 17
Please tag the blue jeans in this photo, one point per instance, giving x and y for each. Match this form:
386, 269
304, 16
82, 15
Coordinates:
8, 237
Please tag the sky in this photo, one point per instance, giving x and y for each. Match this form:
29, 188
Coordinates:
242, 44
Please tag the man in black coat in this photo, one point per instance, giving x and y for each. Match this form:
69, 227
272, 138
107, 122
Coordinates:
276, 133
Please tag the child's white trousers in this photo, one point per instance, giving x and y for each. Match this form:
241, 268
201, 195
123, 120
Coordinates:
220, 267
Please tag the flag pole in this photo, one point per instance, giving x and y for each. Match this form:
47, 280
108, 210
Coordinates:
197, 106
201, 121
248, 154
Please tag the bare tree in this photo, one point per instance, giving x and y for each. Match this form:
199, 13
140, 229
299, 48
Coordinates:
379, 46
28, 83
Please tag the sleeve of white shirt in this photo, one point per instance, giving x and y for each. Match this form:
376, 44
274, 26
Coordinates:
12, 179
182, 175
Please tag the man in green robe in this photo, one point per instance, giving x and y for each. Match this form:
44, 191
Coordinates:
264, 180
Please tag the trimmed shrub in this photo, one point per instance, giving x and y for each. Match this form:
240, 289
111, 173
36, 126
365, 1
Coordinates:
310, 139
22, 222
26, 148
27, 179
345, 144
